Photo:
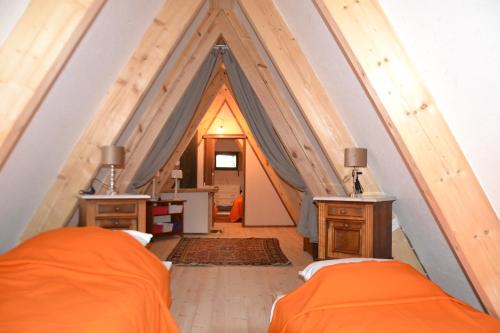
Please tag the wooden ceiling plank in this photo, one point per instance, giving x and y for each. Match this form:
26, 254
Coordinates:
126, 93
423, 138
305, 87
288, 128
210, 97
32, 57
177, 81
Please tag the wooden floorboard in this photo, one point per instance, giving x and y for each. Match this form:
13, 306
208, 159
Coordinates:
232, 299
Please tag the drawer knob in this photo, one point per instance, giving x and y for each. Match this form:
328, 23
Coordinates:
346, 225
117, 209
343, 211
116, 222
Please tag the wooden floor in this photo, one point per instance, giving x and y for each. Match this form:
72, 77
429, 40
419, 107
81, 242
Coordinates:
232, 299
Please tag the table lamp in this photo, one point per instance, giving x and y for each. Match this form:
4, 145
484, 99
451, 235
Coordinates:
355, 158
176, 175
113, 157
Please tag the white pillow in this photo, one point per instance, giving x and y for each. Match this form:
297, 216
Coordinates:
167, 264
141, 237
274, 305
310, 270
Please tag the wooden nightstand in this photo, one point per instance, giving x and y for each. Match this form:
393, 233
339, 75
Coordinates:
121, 211
354, 227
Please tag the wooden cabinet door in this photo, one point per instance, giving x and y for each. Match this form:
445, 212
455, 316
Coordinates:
345, 238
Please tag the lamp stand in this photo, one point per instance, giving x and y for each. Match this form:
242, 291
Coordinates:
111, 190
357, 189
175, 190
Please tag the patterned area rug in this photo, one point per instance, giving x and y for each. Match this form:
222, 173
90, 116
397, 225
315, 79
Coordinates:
228, 251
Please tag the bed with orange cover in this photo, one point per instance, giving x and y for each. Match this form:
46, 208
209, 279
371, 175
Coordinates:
83, 280
236, 213
375, 297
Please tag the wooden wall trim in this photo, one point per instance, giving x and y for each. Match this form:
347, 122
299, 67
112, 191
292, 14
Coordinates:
126, 93
32, 57
423, 138
305, 87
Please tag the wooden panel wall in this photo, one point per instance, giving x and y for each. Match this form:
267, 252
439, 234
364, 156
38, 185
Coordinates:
125, 95
32, 57
305, 87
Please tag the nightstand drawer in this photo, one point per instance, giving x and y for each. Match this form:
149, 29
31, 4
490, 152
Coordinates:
129, 208
117, 223
345, 211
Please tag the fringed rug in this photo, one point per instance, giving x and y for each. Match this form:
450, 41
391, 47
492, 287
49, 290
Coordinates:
228, 251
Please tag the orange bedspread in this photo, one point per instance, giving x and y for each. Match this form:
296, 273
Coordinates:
236, 213
375, 297
83, 280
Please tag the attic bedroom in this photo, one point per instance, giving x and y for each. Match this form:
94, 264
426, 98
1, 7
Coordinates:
249, 166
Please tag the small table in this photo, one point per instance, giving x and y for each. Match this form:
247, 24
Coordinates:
354, 227
120, 211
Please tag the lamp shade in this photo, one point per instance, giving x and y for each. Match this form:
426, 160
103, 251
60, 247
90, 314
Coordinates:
177, 174
355, 157
113, 155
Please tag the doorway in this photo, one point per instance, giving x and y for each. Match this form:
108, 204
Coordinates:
224, 167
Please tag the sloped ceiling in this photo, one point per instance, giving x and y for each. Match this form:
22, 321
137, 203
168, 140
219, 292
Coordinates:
67, 109
80, 90
357, 112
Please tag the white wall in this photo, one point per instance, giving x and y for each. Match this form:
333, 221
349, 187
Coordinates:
368, 131
262, 204
10, 13
456, 53
66, 110
225, 118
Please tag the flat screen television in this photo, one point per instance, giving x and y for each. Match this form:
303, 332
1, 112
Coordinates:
226, 160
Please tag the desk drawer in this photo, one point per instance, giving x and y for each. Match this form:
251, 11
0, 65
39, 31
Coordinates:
117, 223
124, 208
345, 211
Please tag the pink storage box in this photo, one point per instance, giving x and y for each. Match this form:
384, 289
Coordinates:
157, 228
160, 210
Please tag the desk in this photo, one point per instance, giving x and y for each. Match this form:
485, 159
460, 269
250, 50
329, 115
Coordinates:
354, 227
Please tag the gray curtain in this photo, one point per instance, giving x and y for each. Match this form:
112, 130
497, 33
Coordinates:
258, 121
270, 144
176, 126
260, 125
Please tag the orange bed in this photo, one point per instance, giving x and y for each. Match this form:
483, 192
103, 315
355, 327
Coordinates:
83, 280
375, 297
236, 213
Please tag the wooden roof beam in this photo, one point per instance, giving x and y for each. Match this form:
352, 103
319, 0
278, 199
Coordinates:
423, 138
305, 87
32, 58
290, 131
125, 95
177, 81
211, 98
206, 122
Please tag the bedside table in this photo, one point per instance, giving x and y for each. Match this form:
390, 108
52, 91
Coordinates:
354, 227
121, 211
